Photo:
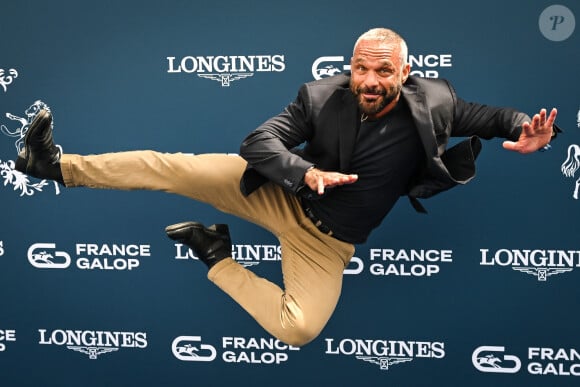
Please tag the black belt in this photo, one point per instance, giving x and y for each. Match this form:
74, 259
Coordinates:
317, 222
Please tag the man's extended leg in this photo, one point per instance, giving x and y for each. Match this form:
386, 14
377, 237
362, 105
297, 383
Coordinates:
209, 178
204, 178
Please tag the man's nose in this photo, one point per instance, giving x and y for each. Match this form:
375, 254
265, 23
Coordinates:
371, 79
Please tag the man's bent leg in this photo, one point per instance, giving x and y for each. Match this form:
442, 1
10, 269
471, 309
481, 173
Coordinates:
312, 264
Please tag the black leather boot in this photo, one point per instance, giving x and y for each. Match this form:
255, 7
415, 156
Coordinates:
210, 244
40, 156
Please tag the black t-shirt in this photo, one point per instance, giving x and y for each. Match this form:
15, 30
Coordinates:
386, 156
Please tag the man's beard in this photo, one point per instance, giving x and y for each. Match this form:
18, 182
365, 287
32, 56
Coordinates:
374, 107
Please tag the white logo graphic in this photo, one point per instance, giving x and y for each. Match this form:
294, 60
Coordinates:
18, 180
89, 256
6, 335
226, 69
421, 65
225, 79
385, 353
539, 263
541, 273
355, 266
1, 248
553, 361
539, 361
245, 255
24, 122
93, 352
235, 350
557, 23
327, 66
401, 262
92, 343
5, 80
572, 163
492, 363
186, 348
39, 256
385, 362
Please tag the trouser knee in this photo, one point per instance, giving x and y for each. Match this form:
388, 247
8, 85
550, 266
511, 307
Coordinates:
301, 334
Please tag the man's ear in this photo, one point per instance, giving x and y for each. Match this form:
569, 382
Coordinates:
406, 72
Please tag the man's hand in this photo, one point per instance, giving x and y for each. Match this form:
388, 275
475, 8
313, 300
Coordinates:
318, 180
535, 135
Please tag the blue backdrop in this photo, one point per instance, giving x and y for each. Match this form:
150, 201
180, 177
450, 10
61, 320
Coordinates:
481, 291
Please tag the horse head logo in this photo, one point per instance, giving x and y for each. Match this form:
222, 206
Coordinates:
24, 122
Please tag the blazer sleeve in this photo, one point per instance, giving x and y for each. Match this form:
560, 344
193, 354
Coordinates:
267, 149
487, 121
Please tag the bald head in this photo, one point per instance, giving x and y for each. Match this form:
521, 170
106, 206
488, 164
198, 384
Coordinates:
386, 36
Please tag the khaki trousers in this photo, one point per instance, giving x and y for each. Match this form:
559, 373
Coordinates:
312, 262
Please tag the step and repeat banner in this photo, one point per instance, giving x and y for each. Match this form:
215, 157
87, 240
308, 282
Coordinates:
481, 291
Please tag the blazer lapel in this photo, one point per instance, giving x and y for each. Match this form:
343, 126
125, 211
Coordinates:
421, 114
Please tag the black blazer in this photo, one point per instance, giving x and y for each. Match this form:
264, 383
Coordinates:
319, 128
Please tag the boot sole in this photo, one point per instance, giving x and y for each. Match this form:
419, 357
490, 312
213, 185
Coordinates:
42, 119
183, 225
174, 231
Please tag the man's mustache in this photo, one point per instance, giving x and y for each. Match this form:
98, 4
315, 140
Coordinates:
371, 90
